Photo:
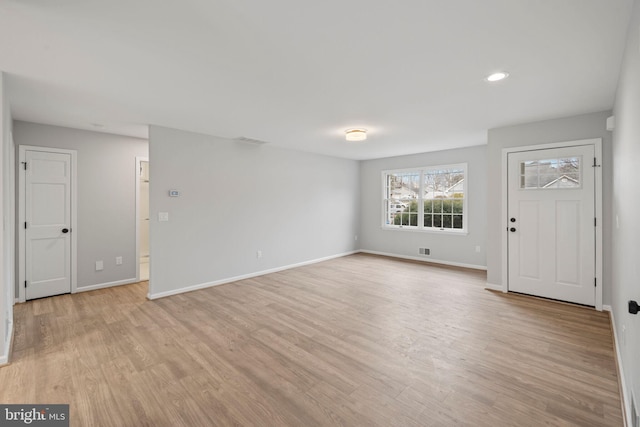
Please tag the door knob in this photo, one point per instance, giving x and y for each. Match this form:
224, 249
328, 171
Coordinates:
512, 220
512, 229
633, 307
65, 230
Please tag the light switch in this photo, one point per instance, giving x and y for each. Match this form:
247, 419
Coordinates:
163, 216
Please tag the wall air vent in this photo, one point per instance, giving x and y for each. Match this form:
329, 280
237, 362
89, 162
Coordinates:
424, 251
249, 140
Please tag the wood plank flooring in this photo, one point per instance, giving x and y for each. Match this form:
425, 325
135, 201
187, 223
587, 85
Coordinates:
357, 341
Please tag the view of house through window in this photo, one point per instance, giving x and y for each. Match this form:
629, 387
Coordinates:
550, 173
429, 198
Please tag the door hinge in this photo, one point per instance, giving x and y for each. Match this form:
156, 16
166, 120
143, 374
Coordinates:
595, 282
25, 165
595, 222
25, 283
25, 224
595, 163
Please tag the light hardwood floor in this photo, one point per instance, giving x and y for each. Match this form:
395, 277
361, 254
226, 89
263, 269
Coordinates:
356, 341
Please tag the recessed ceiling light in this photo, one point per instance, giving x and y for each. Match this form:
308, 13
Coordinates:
496, 77
355, 135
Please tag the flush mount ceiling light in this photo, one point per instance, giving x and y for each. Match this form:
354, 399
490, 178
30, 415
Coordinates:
496, 77
355, 135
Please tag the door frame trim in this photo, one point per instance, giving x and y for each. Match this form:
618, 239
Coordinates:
597, 143
139, 159
21, 215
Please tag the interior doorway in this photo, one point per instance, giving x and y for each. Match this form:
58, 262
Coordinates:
47, 217
142, 217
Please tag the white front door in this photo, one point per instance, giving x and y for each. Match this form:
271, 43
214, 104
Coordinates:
47, 224
551, 214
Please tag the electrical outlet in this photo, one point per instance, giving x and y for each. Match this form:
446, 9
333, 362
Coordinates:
99, 265
118, 260
259, 254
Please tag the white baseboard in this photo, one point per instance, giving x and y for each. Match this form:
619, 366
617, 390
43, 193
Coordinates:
107, 285
426, 259
4, 357
494, 287
626, 398
243, 277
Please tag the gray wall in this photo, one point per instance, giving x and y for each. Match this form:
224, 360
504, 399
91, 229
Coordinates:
557, 130
459, 249
238, 198
8, 208
626, 205
106, 196
5, 288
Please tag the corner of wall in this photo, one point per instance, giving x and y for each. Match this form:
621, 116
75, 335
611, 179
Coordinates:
625, 250
6, 295
228, 243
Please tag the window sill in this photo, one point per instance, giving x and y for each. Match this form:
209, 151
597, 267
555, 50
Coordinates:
425, 230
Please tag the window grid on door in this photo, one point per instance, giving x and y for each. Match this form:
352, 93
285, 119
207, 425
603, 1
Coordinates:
561, 173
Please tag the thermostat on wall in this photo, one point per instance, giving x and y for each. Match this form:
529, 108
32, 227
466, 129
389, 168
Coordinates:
174, 193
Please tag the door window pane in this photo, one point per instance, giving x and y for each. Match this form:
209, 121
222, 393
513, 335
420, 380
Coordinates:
550, 173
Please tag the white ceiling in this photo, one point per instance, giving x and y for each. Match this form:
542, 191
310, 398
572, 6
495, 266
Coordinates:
298, 73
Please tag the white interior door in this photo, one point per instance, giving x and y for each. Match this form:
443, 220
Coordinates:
551, 209
47, 224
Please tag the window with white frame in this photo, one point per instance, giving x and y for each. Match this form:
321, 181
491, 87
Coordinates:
432, 198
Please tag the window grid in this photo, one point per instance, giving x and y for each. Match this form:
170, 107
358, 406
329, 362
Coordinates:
430, 198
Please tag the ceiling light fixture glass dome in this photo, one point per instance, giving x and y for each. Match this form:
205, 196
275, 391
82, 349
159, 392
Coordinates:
496, 77
355, 135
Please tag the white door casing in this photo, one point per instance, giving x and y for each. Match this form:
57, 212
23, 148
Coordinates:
551, 228
47, 221
142, 216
